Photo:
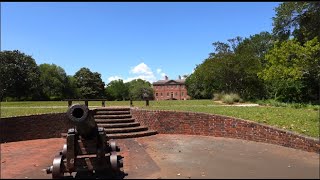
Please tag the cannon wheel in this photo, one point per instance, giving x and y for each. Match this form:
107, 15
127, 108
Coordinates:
64, 150
114, 161
113, 146
57, 169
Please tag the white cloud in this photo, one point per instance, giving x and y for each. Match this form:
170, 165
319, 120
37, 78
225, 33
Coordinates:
141, 71
112, 78
141, 68
159, 70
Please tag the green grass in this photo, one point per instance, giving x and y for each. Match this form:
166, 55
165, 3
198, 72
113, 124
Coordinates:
10, 112
303, 120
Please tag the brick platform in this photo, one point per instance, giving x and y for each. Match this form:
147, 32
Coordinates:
164, 122
173, 122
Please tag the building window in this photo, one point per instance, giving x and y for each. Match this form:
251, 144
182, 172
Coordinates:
161, 94
167, 94
182, 94
156, 94
176, 94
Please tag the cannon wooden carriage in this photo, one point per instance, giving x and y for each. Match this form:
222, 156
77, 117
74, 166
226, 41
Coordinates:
87, 149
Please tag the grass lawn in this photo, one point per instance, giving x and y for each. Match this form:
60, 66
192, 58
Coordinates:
303, 120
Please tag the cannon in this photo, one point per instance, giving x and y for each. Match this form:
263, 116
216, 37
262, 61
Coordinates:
87, 150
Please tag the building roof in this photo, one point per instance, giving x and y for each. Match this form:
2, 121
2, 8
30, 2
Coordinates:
163, 82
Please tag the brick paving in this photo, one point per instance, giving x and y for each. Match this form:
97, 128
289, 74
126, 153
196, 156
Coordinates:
173, 156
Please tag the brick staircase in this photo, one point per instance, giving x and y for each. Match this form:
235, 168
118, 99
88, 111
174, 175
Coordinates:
119, 124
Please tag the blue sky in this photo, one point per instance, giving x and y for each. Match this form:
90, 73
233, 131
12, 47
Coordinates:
128, 40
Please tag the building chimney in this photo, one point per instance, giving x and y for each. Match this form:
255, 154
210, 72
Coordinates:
166, 77
179, 77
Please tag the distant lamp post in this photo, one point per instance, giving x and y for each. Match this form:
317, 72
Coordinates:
145, 96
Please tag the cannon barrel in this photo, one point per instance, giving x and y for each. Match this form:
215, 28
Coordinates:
86, 149
83, 119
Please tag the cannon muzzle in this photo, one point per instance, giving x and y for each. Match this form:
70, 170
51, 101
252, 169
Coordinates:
83, 119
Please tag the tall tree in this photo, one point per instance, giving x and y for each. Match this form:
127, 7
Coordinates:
232, 67
71, 90
54, 81
298, 19
89, 83
138, 87
117, 90
293, 70
19, 76
257, 46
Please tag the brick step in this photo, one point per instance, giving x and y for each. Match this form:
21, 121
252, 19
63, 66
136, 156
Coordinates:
107, 121
113, 109
112, 112
112, 116
120, 125
131, 135
124, 135
125, 130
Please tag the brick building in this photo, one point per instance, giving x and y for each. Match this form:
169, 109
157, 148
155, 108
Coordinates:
170, 89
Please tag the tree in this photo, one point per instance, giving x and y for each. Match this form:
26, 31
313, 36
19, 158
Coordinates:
201, 82
117, 90
71, 90
298, 19
138, 87
89, 83
232, 68
54, 81
19, 76
257, 46
293, 70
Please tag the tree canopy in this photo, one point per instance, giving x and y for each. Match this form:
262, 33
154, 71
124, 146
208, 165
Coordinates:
19, 76
293, 70
53, 79
117, 90
138, 87
134, 90
89, 83
298, 19
232, 68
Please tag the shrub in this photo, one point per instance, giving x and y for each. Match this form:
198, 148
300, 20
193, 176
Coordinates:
275, 103
217, 96
227, 99
235, 97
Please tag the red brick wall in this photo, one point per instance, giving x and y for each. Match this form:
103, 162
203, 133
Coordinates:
173, 122
33, 127
168, 88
